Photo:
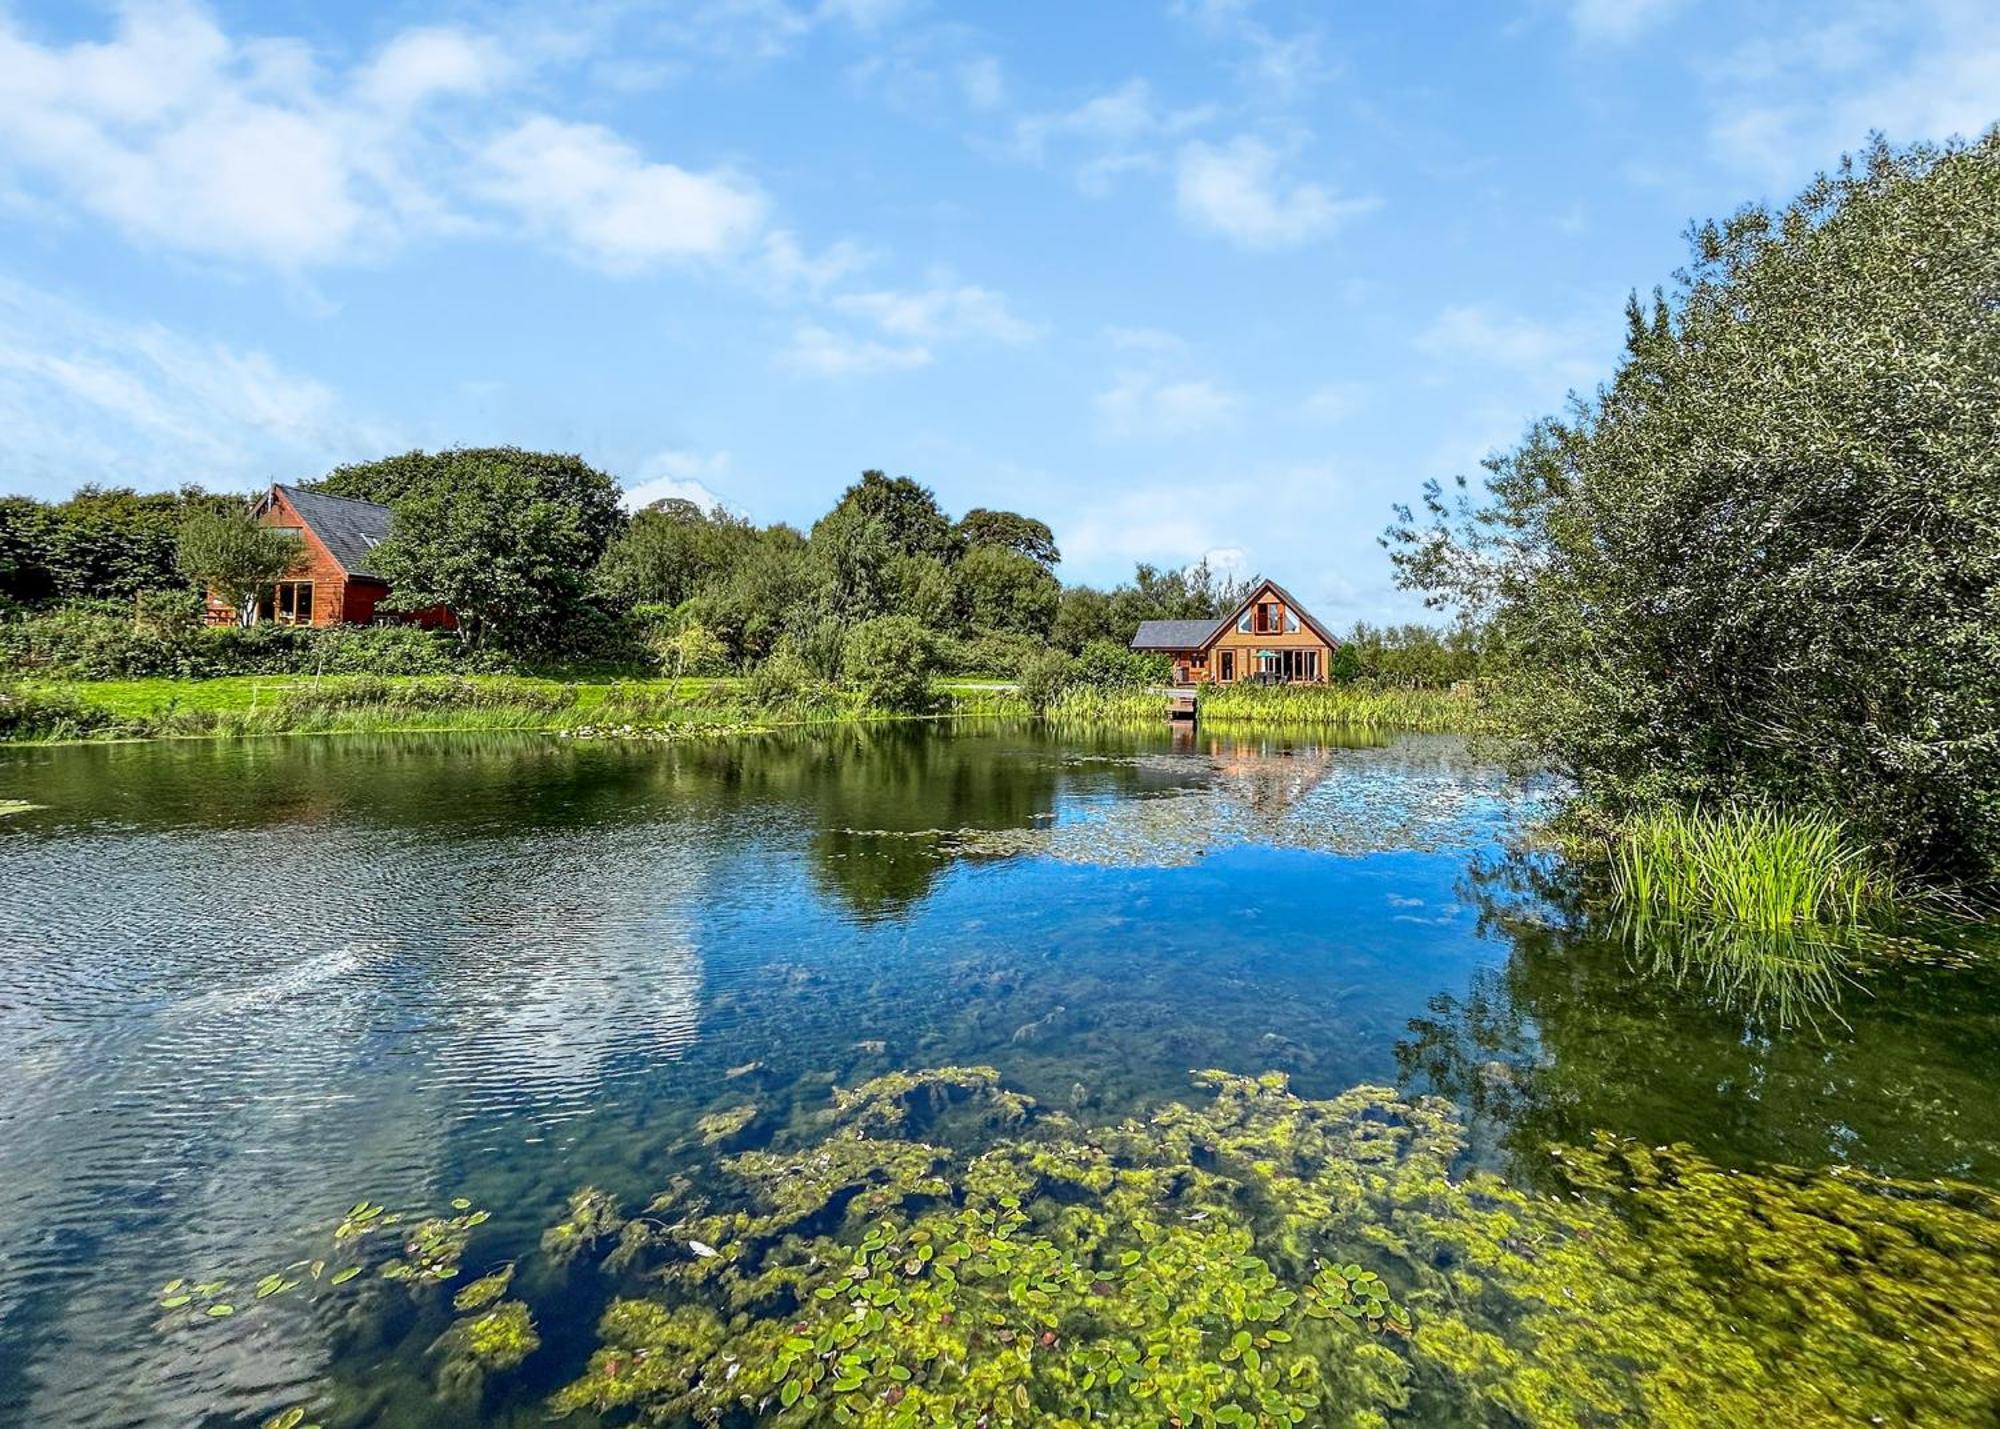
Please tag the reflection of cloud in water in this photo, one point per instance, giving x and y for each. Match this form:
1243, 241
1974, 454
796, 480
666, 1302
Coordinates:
1423, 793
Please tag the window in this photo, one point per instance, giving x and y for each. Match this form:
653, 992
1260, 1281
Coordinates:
1291, 622
1243, 623
292, 603
1268, 622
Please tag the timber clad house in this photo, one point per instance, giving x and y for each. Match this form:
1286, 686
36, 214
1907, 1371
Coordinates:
332, 583
1269, 638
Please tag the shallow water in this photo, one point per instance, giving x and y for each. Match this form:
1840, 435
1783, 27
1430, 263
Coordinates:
243, 985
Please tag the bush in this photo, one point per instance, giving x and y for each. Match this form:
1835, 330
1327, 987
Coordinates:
784, 680
103, 641
1044, 676
890, 661
1108, 666
996, 653
34, 714
1345, 666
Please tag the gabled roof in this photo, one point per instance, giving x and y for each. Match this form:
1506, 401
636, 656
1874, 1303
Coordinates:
1199, 634
1333, 642
348, 529
1174, 634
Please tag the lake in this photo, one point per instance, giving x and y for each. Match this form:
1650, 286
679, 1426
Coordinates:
246, 987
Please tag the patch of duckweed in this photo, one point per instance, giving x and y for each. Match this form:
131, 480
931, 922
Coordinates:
1269, 1259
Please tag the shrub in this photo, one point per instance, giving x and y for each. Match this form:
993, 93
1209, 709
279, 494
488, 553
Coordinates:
1345, 666
890, 661
785, 679
36, 714
996, 653
693, 650
1044, 676
1109, 666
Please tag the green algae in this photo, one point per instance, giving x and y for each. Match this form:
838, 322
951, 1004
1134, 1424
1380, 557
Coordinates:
593, 1217
484, 1343
1263, 1258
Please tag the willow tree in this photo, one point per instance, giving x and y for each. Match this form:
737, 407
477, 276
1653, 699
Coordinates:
1763, 560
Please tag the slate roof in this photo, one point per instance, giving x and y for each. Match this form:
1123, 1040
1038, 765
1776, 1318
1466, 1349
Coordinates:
1174, 634
1193, 634
348, 529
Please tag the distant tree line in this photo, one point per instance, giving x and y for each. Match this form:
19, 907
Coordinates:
536, 557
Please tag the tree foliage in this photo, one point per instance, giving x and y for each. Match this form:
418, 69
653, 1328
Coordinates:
236, 556
102, 543
1763, 562
558, 477
890, 661
1023, 535
497, 543
1001, 589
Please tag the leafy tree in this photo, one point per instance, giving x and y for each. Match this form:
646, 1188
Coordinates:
1083, 615
922, 588
906, 512
890, 660
1022, 535
750, 605
103, 543
691, 650
669, 552
236, 556
1763, 562
1000, 589
558, 476
493, 542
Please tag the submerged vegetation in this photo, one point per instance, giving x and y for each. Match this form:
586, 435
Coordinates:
937, 1249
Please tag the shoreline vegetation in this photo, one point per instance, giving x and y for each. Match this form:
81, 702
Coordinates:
69, 712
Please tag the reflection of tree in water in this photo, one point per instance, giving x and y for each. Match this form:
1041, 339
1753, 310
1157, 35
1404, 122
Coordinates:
1754, 1052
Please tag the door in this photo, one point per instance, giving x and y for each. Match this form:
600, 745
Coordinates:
1228, 666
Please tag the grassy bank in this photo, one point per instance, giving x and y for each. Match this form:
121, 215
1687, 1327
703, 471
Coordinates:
259, 705
58, 711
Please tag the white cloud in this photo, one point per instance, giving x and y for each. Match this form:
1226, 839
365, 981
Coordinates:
1148, 405
597, 195
1171, 526
1483, 336
1617, 22
982, 83
1272, 66
1788, 104
420, 64
941, 313
679, 475
1117, 132
820, 352
1237, 191
82, 395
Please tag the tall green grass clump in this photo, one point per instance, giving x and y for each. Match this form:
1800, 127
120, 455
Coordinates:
1360, 703
1757, 867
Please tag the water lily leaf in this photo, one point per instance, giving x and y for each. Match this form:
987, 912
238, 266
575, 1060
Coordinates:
459, 1203
341, 1277
217, 1312
286, 1418
174, 1302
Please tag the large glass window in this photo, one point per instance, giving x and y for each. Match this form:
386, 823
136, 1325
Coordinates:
292, 603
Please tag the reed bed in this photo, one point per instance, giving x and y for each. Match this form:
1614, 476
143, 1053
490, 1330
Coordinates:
1765, 870
1453, 711
1107, 706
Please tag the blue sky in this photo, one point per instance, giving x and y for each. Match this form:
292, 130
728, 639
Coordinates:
1182, 277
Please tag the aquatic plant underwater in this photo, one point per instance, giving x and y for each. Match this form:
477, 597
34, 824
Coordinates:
936, 1249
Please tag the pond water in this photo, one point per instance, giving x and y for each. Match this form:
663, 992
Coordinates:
244, 986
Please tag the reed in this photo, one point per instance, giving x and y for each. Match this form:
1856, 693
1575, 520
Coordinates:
1760, 868
1453, 711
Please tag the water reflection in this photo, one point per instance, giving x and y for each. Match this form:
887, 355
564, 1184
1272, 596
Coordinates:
242, 985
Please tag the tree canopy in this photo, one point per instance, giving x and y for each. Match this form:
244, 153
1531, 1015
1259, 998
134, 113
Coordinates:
236, 556
1763, 561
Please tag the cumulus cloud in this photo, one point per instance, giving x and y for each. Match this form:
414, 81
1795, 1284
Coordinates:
1146, 404
679, 475
1239, 191
600, 197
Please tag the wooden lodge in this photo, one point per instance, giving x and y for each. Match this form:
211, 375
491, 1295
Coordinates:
333, 582
1268, 638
